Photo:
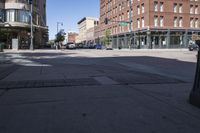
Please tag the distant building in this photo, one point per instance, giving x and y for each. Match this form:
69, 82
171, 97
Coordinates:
90, 39
72, 36
15, 23
97, 34
86, 26
155, 23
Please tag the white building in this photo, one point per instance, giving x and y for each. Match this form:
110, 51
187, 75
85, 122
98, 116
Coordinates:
85, 25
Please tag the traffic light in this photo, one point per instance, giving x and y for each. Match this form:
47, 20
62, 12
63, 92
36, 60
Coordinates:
106, 21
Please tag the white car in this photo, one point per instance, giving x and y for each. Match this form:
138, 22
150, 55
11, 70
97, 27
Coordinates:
71, 45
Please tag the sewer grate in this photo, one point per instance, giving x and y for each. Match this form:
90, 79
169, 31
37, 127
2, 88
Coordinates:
47, 83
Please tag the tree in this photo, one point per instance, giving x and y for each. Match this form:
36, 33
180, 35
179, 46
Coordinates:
60, 36
51, 42
106, 38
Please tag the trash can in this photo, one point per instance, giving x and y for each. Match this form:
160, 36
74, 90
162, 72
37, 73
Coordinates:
1, 47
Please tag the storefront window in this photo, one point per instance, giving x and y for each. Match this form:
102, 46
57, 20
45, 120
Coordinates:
10, 16
17, 16
2, 15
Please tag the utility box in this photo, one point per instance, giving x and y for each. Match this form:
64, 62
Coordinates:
15, 44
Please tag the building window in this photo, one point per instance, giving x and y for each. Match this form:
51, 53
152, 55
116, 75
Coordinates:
175, 21
196, 10
138, 23
120, 7
175, 7
191, 9
143, 22
131, 26
180, 8
161, 21
128, 14
196, 23
10, 16
191, 23
143, 8
161, 6
2, 14
155, 21
155, 6
180, 22
138, 10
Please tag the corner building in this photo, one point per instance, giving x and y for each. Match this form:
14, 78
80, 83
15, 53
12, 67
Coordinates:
15, 23
155, 23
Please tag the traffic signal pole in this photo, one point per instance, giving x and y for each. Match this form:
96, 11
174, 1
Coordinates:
31, 14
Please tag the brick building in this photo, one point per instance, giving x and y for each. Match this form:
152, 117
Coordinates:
72, 37
155, 23
15, 23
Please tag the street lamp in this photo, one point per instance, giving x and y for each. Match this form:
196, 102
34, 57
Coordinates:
31, 45
59, 23
195, 93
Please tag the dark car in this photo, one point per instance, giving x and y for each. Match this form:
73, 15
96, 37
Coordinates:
109, 48
192, 47
79, 45
98, 46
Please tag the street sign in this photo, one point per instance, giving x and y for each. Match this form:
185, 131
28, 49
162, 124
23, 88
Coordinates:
123, 23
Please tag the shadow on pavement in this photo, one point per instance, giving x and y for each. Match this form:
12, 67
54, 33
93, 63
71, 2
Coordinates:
51, 92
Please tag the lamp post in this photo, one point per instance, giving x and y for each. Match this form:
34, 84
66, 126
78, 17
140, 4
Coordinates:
31, 45
195, 93
59, 23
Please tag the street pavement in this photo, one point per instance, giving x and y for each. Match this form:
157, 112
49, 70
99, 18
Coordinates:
97, 91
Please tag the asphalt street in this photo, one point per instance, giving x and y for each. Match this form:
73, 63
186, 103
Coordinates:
97, 91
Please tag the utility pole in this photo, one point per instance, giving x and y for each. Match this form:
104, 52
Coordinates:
31, 46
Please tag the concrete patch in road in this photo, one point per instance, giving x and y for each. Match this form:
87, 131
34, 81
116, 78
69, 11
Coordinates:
175, 95
105, 80
47, 83
151, 70
142, 78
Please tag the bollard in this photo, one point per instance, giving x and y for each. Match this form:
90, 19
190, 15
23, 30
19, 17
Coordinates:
195, 93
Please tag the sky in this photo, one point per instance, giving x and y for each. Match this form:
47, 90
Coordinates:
69, 12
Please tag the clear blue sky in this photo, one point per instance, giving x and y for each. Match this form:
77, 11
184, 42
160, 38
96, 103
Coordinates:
69, 12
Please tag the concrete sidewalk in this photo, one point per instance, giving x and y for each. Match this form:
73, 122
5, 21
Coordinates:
76, 92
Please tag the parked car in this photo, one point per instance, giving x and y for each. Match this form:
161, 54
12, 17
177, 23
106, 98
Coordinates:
109, 48
71, 46
99, 46
92, 46
79, 45
192, 46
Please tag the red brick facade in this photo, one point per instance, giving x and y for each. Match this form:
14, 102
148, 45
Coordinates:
72, 37
180, 16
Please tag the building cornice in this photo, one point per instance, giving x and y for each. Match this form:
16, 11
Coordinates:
17, 6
